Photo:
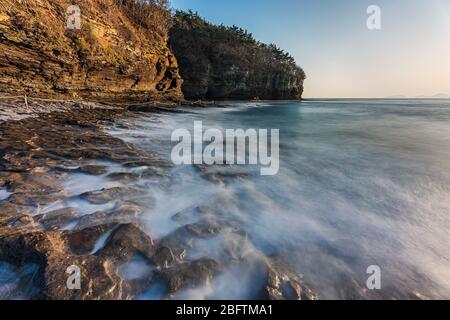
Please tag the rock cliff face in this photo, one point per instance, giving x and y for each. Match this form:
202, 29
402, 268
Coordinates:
218, 62
114, 56
130, 49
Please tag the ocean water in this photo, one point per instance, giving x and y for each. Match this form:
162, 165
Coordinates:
361, 183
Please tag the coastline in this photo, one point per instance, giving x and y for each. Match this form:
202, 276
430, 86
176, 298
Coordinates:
45, 142
91, 185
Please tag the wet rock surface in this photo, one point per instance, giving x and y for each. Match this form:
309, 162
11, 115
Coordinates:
93, 169
107, 195
189, 274
77, 196
57, 219
283, 284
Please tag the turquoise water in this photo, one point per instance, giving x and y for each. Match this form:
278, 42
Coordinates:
361, 182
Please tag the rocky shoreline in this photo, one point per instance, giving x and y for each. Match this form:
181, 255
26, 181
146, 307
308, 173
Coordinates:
42, 144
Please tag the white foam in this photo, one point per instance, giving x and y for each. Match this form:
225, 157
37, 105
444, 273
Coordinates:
137, 268
360, 183
79, 183
82, 207
4, 194
101, 241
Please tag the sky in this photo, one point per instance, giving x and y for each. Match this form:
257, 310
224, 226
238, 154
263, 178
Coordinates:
409, 55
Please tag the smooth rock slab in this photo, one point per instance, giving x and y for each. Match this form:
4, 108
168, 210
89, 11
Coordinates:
106, 195
57, 219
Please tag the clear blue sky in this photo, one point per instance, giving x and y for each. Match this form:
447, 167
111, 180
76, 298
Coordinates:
410, 55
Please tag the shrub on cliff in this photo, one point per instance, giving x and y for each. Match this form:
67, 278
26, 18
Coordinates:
153, 15
120, 51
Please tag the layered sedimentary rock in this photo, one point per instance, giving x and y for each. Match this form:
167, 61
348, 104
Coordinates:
218, 62
121, 52
115, 55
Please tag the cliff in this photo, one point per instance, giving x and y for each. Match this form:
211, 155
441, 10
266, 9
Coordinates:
119, 53
130, 50
218, 62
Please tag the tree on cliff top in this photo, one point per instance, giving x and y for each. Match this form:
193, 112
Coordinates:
236, 36
226, 62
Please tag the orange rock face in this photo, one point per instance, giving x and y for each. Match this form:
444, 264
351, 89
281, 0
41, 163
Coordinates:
111, 57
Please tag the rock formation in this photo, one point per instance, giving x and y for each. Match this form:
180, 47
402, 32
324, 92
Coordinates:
114, 56
121, 53
218, 62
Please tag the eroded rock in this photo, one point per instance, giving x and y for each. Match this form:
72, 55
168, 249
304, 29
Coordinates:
128, 240
106, 195
82, 242
95, 170
93, 219
189, 274
55, 220
99, 62
283, 284
123, 176
54, 252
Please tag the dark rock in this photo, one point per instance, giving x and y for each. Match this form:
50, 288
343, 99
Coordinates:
183, 239
189, 275
205, 229
126, 241
81, 242
21, 221
179, 241
57, 219
124, 176
100, 273
223, 175
9, 209
283, 284
33, 189
106, 195
123, 214
5, 219
163, 257
149, 107
126, 212
34, 199
92, 220
40, 183
93, 170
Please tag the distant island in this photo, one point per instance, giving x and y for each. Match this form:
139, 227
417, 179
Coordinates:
436, 96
